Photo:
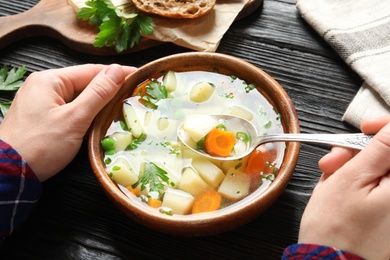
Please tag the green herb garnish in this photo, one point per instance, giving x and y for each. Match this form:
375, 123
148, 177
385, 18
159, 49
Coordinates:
4, 106
121, 26
10, 80
155, 91
136, 142
249, 87
154, 177
221, 127
244, 137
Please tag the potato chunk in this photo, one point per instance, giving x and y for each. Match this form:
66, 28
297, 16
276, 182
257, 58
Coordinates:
197, 126
122, 173
201, 92
169, 81
235, 185
179, 201
240, 112
192, 183
122, 140
208, 171
132, 120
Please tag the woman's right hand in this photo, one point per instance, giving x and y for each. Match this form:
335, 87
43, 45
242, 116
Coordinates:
349, 207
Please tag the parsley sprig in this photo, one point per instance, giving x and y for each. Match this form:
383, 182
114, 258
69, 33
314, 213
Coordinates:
155, 91
154, 177
10, 80
121, 26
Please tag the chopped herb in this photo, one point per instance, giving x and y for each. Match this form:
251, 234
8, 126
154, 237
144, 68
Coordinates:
262, 112
279, 116
154, 177
136, 142
107, 161
172, 150
233, 78
268, 124
166, 211
199, 145
155, 91
269, 177
229, 95
221, 127
249, 87
242, 137
121, 26
238, 166
116, 168
123, 125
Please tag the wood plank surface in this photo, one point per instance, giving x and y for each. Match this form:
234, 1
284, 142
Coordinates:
75, 220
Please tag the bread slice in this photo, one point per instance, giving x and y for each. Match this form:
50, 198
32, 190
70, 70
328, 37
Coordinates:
175, 8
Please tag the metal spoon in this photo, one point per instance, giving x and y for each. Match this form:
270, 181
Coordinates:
355, 141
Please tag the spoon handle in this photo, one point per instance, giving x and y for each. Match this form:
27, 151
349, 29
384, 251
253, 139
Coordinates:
356, 141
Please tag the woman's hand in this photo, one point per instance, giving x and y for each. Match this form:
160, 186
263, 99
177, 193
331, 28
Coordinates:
350, 208
53, 110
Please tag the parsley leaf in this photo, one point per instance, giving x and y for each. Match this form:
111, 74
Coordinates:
155, 91
154, 177
11, 80
4, 106
121, 26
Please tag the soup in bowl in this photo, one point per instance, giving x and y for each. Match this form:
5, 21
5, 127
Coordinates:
159, 182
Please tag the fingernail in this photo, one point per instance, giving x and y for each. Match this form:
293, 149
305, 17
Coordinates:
115, 73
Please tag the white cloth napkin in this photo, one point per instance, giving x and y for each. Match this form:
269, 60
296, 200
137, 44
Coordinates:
359, 31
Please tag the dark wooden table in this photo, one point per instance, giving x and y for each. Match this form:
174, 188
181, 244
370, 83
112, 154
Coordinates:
75, 220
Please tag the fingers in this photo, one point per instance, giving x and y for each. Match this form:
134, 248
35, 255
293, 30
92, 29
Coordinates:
338, 156
73, 80
101, 90
372, 126
334, 160
375, 157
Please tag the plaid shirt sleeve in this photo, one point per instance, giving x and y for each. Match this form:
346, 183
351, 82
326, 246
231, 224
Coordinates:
19, 190
313, 251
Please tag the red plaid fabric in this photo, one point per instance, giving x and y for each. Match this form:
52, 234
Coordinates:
19, 190
312, 251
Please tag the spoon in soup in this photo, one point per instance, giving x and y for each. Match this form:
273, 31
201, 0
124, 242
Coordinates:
356, 141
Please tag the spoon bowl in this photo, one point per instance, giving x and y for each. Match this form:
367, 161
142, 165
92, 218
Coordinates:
354, 141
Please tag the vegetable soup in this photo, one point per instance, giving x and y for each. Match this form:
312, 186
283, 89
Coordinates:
144, 156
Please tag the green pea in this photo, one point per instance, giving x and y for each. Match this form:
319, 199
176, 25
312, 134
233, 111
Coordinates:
108, 143
110, 152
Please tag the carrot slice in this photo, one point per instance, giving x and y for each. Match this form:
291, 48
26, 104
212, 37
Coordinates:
207, 201
219, 142
154, 203
135, 191
140, 90
257, 162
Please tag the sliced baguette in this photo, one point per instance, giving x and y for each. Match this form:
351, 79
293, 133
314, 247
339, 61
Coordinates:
176, 8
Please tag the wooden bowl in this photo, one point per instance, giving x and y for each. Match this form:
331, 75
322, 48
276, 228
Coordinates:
215, 222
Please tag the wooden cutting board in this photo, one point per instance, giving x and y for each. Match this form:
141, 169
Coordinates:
57, 19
